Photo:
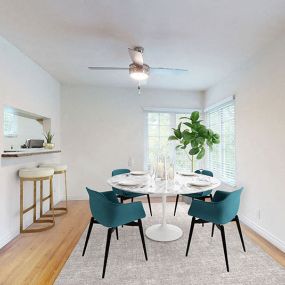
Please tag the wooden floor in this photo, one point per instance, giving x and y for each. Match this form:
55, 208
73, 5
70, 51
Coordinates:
38, 258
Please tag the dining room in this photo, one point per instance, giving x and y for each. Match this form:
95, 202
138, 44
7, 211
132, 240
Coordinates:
142, 142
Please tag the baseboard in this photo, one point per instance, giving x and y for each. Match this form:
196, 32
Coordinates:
264, 233
79, 197
84, 197
8, 237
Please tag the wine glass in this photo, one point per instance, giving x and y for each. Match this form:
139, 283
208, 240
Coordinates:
151, 171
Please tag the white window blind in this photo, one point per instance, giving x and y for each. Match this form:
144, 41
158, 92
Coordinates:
157, 130
222, 160
10, 125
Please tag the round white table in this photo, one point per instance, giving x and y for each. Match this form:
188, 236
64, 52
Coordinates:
181, 184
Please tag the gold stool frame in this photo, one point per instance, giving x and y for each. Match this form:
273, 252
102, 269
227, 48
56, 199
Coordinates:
42, 199
34, 206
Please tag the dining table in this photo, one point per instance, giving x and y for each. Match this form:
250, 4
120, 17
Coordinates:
182, 183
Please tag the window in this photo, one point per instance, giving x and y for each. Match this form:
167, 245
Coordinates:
10, 125
221, 160
158, 128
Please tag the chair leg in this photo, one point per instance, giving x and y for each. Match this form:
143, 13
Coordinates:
225, 246
122, 201
117, 233
203, 199
213, 228
132, 200
142, 238
190, 234
211, 197
109, 235
240, 233
88, 235
148, 200
176, 202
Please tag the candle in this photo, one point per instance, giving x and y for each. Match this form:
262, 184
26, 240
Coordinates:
171, 173
160, 170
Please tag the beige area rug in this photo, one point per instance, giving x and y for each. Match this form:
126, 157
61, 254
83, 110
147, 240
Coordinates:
167, 263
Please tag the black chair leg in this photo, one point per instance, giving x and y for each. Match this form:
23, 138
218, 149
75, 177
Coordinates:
142, 238
213, 228
148, 199
225, 246
132, 200
110, 230
117, 233
122, 202
240, 232
88, 234
176, 202
204, 199
211, 197
190, 234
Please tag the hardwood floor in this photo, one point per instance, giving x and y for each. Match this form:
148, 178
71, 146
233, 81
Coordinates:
37, 258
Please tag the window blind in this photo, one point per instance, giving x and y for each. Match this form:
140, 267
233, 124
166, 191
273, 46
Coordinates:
222, 159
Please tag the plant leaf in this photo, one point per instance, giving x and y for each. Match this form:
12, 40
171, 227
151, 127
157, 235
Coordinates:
177, 133
172, 138
201, 153
195, 116
194, 151
188, 124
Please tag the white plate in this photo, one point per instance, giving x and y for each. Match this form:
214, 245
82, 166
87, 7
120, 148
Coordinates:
128, 183
188, 173
199, 183
139, 172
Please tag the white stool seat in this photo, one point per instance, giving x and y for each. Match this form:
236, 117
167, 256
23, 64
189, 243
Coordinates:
35, 172
55, 166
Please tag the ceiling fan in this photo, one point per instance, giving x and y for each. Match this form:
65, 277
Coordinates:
138, 70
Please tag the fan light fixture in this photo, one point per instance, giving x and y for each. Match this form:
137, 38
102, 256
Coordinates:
139, 72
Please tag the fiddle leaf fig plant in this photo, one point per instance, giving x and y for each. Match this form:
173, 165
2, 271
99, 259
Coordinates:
195, 137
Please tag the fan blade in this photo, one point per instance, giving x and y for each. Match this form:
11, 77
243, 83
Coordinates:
107, 68
169, 69
136, 56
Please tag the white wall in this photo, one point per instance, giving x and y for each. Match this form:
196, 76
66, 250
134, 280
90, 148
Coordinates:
24, 85
103, 127
260, 139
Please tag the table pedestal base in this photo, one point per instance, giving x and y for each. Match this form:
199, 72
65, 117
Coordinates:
163, 232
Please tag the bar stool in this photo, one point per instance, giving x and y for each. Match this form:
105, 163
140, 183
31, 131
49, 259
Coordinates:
58, 169
35, 174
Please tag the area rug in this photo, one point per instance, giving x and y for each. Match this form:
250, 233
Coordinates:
167, 263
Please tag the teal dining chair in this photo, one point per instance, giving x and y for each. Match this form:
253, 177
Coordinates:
125, 195
222, 210
108, 212
200, 195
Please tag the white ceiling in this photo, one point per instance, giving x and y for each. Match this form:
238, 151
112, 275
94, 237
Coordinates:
211, 38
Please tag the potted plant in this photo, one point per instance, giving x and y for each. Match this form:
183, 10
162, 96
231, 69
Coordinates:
49, 144
194, 138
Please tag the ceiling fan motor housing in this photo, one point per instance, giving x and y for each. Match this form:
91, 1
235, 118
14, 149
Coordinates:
139, 72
